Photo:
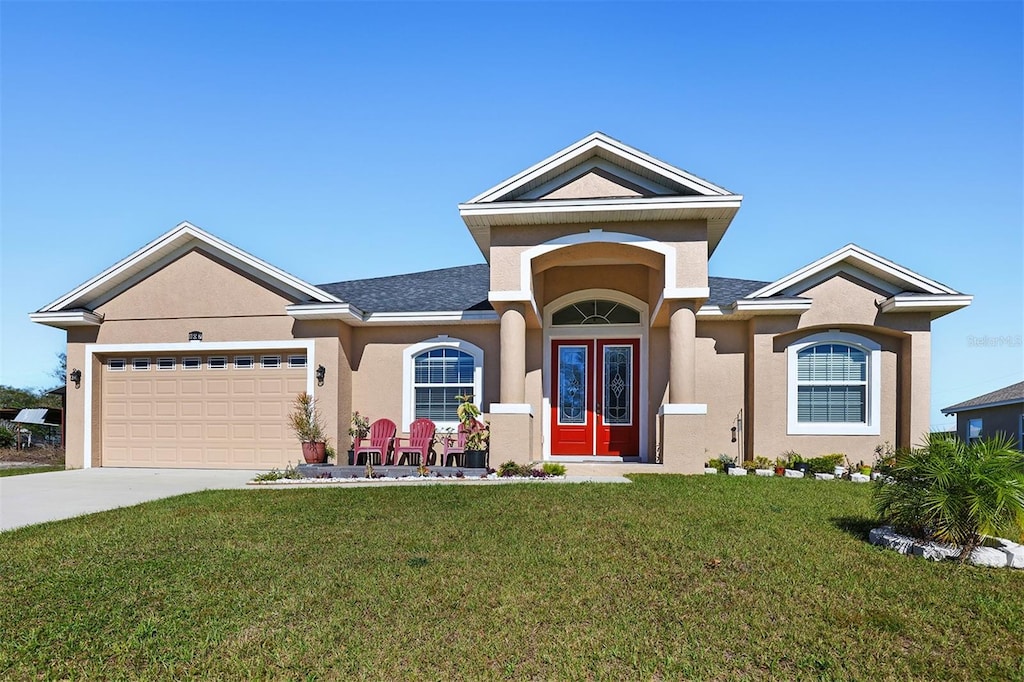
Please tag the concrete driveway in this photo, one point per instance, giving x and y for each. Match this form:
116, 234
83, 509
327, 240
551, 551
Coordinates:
36, 498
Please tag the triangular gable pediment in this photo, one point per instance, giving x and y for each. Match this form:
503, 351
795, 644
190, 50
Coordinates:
168, 248
856, 263
597, 164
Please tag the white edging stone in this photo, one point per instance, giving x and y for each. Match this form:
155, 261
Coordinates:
710, 470
737, 471
859, 478
793, 473
824, 477
1007, 554
764, 472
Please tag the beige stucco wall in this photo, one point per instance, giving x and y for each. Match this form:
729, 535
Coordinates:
687, 238
721, 355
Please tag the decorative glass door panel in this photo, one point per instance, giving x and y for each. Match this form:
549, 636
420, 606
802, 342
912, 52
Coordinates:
595, 397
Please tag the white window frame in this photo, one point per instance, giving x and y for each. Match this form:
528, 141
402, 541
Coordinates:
275, 361
159, 361
873, 393
223, 358
250, 358
198, 361
981, 429
112, 368
297, 362
138, 361
408, 374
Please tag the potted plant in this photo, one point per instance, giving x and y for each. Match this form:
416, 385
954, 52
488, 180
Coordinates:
308, 426
478, 440
359, 427
727, 462
780, 466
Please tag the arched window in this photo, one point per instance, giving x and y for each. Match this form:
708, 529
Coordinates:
436, 373
834, 385
595, 311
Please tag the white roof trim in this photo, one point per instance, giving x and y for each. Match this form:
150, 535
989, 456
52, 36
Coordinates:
599, 205
583, 149
354, 316
62, 319
917, 303
861, 258
122, 270
780, 306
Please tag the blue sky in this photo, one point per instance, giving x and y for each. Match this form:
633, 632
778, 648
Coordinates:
336, 139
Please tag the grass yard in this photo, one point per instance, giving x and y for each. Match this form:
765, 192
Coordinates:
21, 471
669, 578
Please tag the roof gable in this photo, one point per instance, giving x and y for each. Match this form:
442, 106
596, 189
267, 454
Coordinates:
1007, 395
599, 150
169, 247
860, 264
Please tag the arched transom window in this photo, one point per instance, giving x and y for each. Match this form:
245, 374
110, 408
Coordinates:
595, 311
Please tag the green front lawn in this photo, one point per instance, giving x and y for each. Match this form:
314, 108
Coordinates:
21, 471
669, 578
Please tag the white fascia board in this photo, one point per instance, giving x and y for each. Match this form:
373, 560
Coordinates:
434, 317
586, 206
168, 242
509, 296
584, 147
773, 306
683, 408
62, 319
984, 406
675, 293
920, 303
325, 311
857, 256
511, 408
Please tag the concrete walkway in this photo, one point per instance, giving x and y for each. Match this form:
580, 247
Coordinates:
37, 498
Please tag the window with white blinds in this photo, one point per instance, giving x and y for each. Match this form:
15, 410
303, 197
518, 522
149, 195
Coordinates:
834, 385
832, 381
440, 375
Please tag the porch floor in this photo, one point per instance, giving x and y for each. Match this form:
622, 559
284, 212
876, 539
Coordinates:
345, 471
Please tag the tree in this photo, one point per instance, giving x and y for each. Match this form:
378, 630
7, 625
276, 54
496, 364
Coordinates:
955, 492
60, 372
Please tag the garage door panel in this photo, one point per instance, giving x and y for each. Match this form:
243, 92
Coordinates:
204, 418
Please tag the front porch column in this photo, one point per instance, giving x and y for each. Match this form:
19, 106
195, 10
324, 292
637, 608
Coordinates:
682, 421
682, 359
513, 354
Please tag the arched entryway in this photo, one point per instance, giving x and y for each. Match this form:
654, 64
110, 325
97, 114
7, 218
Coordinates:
595, 369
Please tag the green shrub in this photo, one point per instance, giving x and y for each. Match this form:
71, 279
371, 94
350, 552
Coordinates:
762, 463
553, 469
791, 457
954, 492
715, 464
7, 438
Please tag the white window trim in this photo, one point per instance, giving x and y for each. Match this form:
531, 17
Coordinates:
873, 394
122, 368
293, 362
174, 365
185, 367
148, 366
408, 369
250, 358
276, 362
209, 362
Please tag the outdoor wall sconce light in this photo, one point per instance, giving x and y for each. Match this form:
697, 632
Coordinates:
195, 336
321, 372
76, 376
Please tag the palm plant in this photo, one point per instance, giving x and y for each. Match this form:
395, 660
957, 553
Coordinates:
954, 492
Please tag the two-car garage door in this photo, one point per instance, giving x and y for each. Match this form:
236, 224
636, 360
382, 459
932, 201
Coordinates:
218, 411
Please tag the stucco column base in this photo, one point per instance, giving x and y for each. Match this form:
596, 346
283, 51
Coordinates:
511, 438
682, 442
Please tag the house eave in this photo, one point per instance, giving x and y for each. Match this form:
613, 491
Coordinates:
935, 304
353, 316
984, 406
65, 319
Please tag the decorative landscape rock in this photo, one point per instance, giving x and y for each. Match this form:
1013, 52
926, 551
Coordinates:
710, 470
1004, 554
793, 473
824, 477
737, 471
764, 472
859, 478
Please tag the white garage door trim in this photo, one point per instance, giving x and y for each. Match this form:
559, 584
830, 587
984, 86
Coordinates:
199, 347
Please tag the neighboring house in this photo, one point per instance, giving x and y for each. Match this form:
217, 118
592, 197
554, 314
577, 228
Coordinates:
592, 333
997, 413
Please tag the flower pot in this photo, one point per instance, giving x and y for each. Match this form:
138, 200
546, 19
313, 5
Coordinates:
314, 453
351, 457
802, 467
780, 471
475, 459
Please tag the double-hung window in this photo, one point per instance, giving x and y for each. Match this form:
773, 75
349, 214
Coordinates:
436, 372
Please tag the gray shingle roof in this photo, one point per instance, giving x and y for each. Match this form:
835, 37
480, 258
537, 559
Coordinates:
465, 288
1009, 394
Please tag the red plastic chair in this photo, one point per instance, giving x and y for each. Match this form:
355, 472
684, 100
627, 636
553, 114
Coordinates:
455, 445
421, 442
381, 440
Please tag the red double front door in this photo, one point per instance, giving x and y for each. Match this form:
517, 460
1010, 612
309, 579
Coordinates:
595, 397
